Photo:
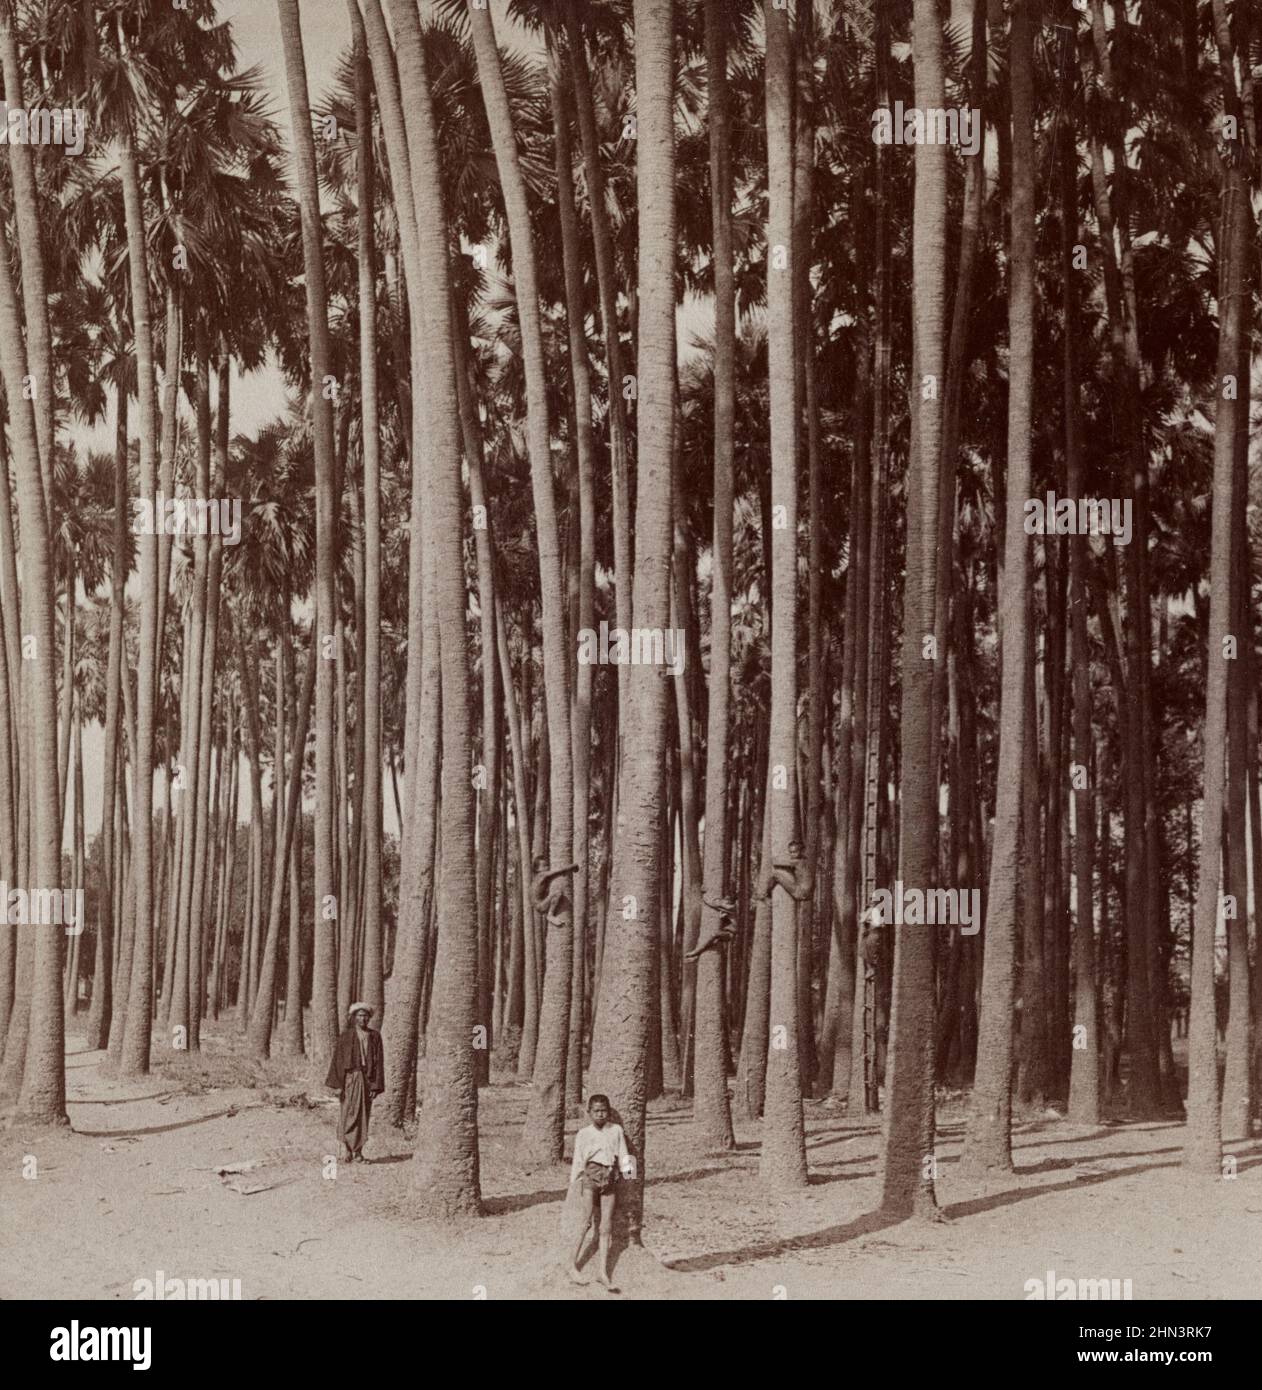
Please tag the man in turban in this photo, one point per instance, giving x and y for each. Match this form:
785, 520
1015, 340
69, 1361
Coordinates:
358, 1072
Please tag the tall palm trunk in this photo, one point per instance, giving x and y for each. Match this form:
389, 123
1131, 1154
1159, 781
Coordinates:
1203, 1145
202, 868
784, 1145
9, 781
103, 982
324, 1021
192, 732
291, 1030
423, 687
1237, 1104
447, 1182
621, 1040
370, 682
1084, 1065
74, 967
134, 1059
288, 804
43, 1091
988, 1143
545, 1119
906, 1177
488, 798
585, 450
712, 1110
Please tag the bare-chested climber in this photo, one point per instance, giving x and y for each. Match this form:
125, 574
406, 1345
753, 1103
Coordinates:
549, 895
870, 941
796, 874
720, 934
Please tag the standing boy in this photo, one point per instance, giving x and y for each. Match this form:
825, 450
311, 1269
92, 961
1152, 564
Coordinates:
600, 1155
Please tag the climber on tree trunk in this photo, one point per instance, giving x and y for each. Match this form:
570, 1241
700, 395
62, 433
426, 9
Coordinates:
722, 933
796, 875
554, 900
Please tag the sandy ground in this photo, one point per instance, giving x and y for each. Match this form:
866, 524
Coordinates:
133, 1187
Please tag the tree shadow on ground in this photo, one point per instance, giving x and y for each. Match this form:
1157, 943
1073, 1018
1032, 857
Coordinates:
158, 1129
872, 1222
1056, 1165
867, 1224
1034, 1140
814, 1143
1010, 1196
120, 1100
521, 1201
1106, 1128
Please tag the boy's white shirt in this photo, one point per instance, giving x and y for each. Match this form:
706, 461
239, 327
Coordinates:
607, 1146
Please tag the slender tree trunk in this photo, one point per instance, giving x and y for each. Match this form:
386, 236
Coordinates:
101, 1010
1203, 1145
712, 1110
544, 1131
988, 1142
625, 1013
446, 1160
783, 1162
134, 1057
585, 449
324, 1022
1084, 1066
907, 1152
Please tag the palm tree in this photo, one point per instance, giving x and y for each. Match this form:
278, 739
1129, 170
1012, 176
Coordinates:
1203, 1146
117, 366
423, 682
988, 1143
370, 680
134, 1057
324, 983
713, 1110
544, 1133
584, 453
1084, 1074
43, 1093
784, 1144
447, 1181
906, 1157
621, 1039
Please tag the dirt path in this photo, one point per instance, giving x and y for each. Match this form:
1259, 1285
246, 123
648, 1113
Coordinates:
133, 1188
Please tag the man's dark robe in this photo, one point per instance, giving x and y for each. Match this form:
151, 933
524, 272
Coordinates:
359, 1080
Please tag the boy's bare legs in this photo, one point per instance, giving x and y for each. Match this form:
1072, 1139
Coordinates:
588, 1217
607, 1200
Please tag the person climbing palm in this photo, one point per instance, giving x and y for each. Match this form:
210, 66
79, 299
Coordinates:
795, 874
723, 930
548, 893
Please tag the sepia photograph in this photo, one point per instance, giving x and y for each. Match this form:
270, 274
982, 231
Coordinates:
630, 667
